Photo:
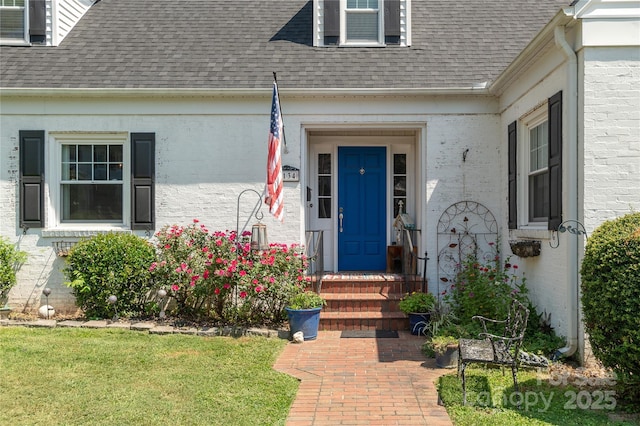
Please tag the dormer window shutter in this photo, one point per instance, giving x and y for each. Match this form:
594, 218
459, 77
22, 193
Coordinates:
31, 178
555, 161
143, 181
37, 19
331, 21
392, 21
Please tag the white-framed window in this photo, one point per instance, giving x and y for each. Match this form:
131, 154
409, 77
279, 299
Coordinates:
89, 180
535, 174
362, 22
537, 143
14, 18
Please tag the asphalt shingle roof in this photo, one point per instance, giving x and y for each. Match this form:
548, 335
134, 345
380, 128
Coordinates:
217, 44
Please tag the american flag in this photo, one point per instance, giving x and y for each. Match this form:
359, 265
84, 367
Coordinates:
273, 191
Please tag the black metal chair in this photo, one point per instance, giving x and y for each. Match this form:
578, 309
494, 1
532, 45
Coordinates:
500, 350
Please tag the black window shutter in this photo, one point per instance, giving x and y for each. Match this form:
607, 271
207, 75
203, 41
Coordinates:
143, 180
332, 18
513, 182
392, 18
37, 18
32, 178
555, 161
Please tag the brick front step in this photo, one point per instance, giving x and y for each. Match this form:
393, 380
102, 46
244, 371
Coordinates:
361, 302
365, 301
363, 321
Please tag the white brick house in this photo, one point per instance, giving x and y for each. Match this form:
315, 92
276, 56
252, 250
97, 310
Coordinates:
433, 88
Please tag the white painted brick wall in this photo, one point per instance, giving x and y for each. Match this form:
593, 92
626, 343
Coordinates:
450, 179
611, 133
547, 275
207, 153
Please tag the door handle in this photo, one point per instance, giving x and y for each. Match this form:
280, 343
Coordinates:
341, 216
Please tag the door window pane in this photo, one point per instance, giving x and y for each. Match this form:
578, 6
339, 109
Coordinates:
400, 164
324, 186
396, 206
324, 208
399, 183
324, 164
400, 186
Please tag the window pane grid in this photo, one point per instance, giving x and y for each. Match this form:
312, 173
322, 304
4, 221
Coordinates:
92, 164
92, 183
362, 4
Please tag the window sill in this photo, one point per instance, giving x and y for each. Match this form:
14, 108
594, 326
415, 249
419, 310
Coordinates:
14, 43
79, 233
531, 233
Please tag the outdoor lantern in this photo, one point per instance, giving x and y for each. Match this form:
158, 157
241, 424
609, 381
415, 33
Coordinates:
259, 237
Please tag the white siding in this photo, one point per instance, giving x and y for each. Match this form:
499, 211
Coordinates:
66, 14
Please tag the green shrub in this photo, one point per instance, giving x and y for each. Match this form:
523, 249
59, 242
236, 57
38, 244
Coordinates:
111, 264
611, 297
10, 260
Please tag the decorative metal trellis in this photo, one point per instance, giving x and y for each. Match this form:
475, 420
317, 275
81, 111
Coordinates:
465, 228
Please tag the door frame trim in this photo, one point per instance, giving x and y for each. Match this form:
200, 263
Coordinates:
411, 134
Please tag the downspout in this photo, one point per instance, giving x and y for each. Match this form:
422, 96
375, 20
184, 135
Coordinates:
572, 208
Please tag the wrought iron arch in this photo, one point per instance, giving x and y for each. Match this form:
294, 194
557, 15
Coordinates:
464, 228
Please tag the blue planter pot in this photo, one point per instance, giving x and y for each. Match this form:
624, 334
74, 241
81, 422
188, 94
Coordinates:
418, 321
305, 320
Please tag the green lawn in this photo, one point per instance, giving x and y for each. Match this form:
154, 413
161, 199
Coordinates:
491, 400
119, 377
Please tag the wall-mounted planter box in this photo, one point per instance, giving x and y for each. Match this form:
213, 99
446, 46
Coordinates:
525, 248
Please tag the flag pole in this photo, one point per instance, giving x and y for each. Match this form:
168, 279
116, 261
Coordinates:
284, 137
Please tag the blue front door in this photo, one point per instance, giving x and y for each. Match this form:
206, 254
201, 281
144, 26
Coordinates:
362, 208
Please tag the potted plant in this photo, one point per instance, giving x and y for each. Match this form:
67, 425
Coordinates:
446, 351
417, 306
303, 311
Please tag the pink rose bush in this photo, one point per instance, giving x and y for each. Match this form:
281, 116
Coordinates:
216, 275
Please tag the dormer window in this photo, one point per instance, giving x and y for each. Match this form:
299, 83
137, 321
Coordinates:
13, 21
362, 22
22, 21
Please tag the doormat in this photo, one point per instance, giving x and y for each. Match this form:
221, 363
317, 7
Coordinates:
369, 334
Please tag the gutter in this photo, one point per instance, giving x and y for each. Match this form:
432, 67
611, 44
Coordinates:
572, 208
474, 89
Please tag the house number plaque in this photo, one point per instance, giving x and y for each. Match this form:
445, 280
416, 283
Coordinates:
290, 174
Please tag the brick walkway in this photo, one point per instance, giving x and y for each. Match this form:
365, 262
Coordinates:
363, 382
